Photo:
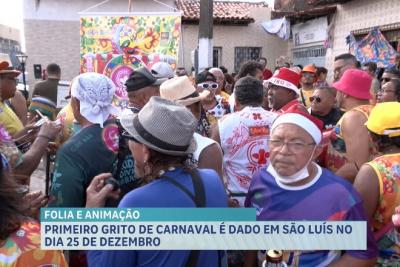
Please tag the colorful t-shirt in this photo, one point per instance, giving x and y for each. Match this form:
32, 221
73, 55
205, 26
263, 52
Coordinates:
9, 119
153, 195
222, 108
387, 168
22, 249
9, 149
336, 155
326, 198
86, 154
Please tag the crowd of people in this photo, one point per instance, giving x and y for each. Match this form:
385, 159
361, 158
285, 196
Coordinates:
285, 142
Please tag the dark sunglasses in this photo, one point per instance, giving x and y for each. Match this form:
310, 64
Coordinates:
316, 98
386, 80
208, 85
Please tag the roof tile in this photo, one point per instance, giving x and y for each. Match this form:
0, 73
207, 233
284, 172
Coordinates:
222, 10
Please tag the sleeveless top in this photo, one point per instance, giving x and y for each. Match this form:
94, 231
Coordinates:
244, 141
336, 155
387, 168
202, 142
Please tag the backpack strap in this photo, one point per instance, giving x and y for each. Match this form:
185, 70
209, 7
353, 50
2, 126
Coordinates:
199, 199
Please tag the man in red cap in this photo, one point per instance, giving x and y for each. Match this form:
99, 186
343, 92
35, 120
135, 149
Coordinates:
350, 145
283, 91
308, 78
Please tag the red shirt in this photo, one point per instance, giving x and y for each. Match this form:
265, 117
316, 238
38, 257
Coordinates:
267, 74
292, 106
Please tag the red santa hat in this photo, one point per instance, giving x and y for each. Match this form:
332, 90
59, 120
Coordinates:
286, 78
308, 123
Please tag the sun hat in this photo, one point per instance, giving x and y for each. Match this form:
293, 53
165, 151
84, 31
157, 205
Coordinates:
162, 70
163, 126
182, 91
142, 78
355, 83
384, 119
308, 123
5, 68
95, 93
287, 78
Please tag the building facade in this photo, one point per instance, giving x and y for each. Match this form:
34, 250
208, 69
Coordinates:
52, 33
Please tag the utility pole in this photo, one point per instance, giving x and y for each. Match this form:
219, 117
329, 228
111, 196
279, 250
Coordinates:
205, 46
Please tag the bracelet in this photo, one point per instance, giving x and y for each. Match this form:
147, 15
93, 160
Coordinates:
44, 136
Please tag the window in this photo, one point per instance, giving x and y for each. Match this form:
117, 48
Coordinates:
217, 57
310, 55
243, 54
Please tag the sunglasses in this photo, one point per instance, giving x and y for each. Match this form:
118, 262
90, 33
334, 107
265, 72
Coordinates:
386, 80
208, 86
316, 98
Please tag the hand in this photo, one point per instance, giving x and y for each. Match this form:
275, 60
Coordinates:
396, 217
49, 129
97, 192
28, 132
35, 200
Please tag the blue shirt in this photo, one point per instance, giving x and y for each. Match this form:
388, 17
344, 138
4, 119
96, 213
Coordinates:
158, 194
327, 198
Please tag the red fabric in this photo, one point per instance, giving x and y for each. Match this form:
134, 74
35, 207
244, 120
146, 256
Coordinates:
288, 75
293, 106
267, 74
355, 83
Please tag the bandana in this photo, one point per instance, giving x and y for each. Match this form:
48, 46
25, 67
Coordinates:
95, 93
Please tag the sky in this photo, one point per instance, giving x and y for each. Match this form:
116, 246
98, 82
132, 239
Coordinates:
11, 11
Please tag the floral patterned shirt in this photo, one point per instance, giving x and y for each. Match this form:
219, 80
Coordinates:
22, 248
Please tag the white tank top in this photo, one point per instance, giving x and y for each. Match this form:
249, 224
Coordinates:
202, 142
244, 140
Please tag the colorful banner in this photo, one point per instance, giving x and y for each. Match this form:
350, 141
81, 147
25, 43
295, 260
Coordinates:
373, 48
117, 45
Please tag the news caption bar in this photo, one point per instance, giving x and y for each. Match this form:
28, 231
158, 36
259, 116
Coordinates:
191, 229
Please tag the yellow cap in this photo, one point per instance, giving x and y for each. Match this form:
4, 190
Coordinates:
385, 119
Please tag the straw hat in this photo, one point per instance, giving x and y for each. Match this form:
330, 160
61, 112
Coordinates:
182, 91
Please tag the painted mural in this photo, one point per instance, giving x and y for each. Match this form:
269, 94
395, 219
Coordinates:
117, 45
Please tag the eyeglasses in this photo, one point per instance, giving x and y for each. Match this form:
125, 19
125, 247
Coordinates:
208, 86
308, 75
316, 98
386, 80
294, 146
